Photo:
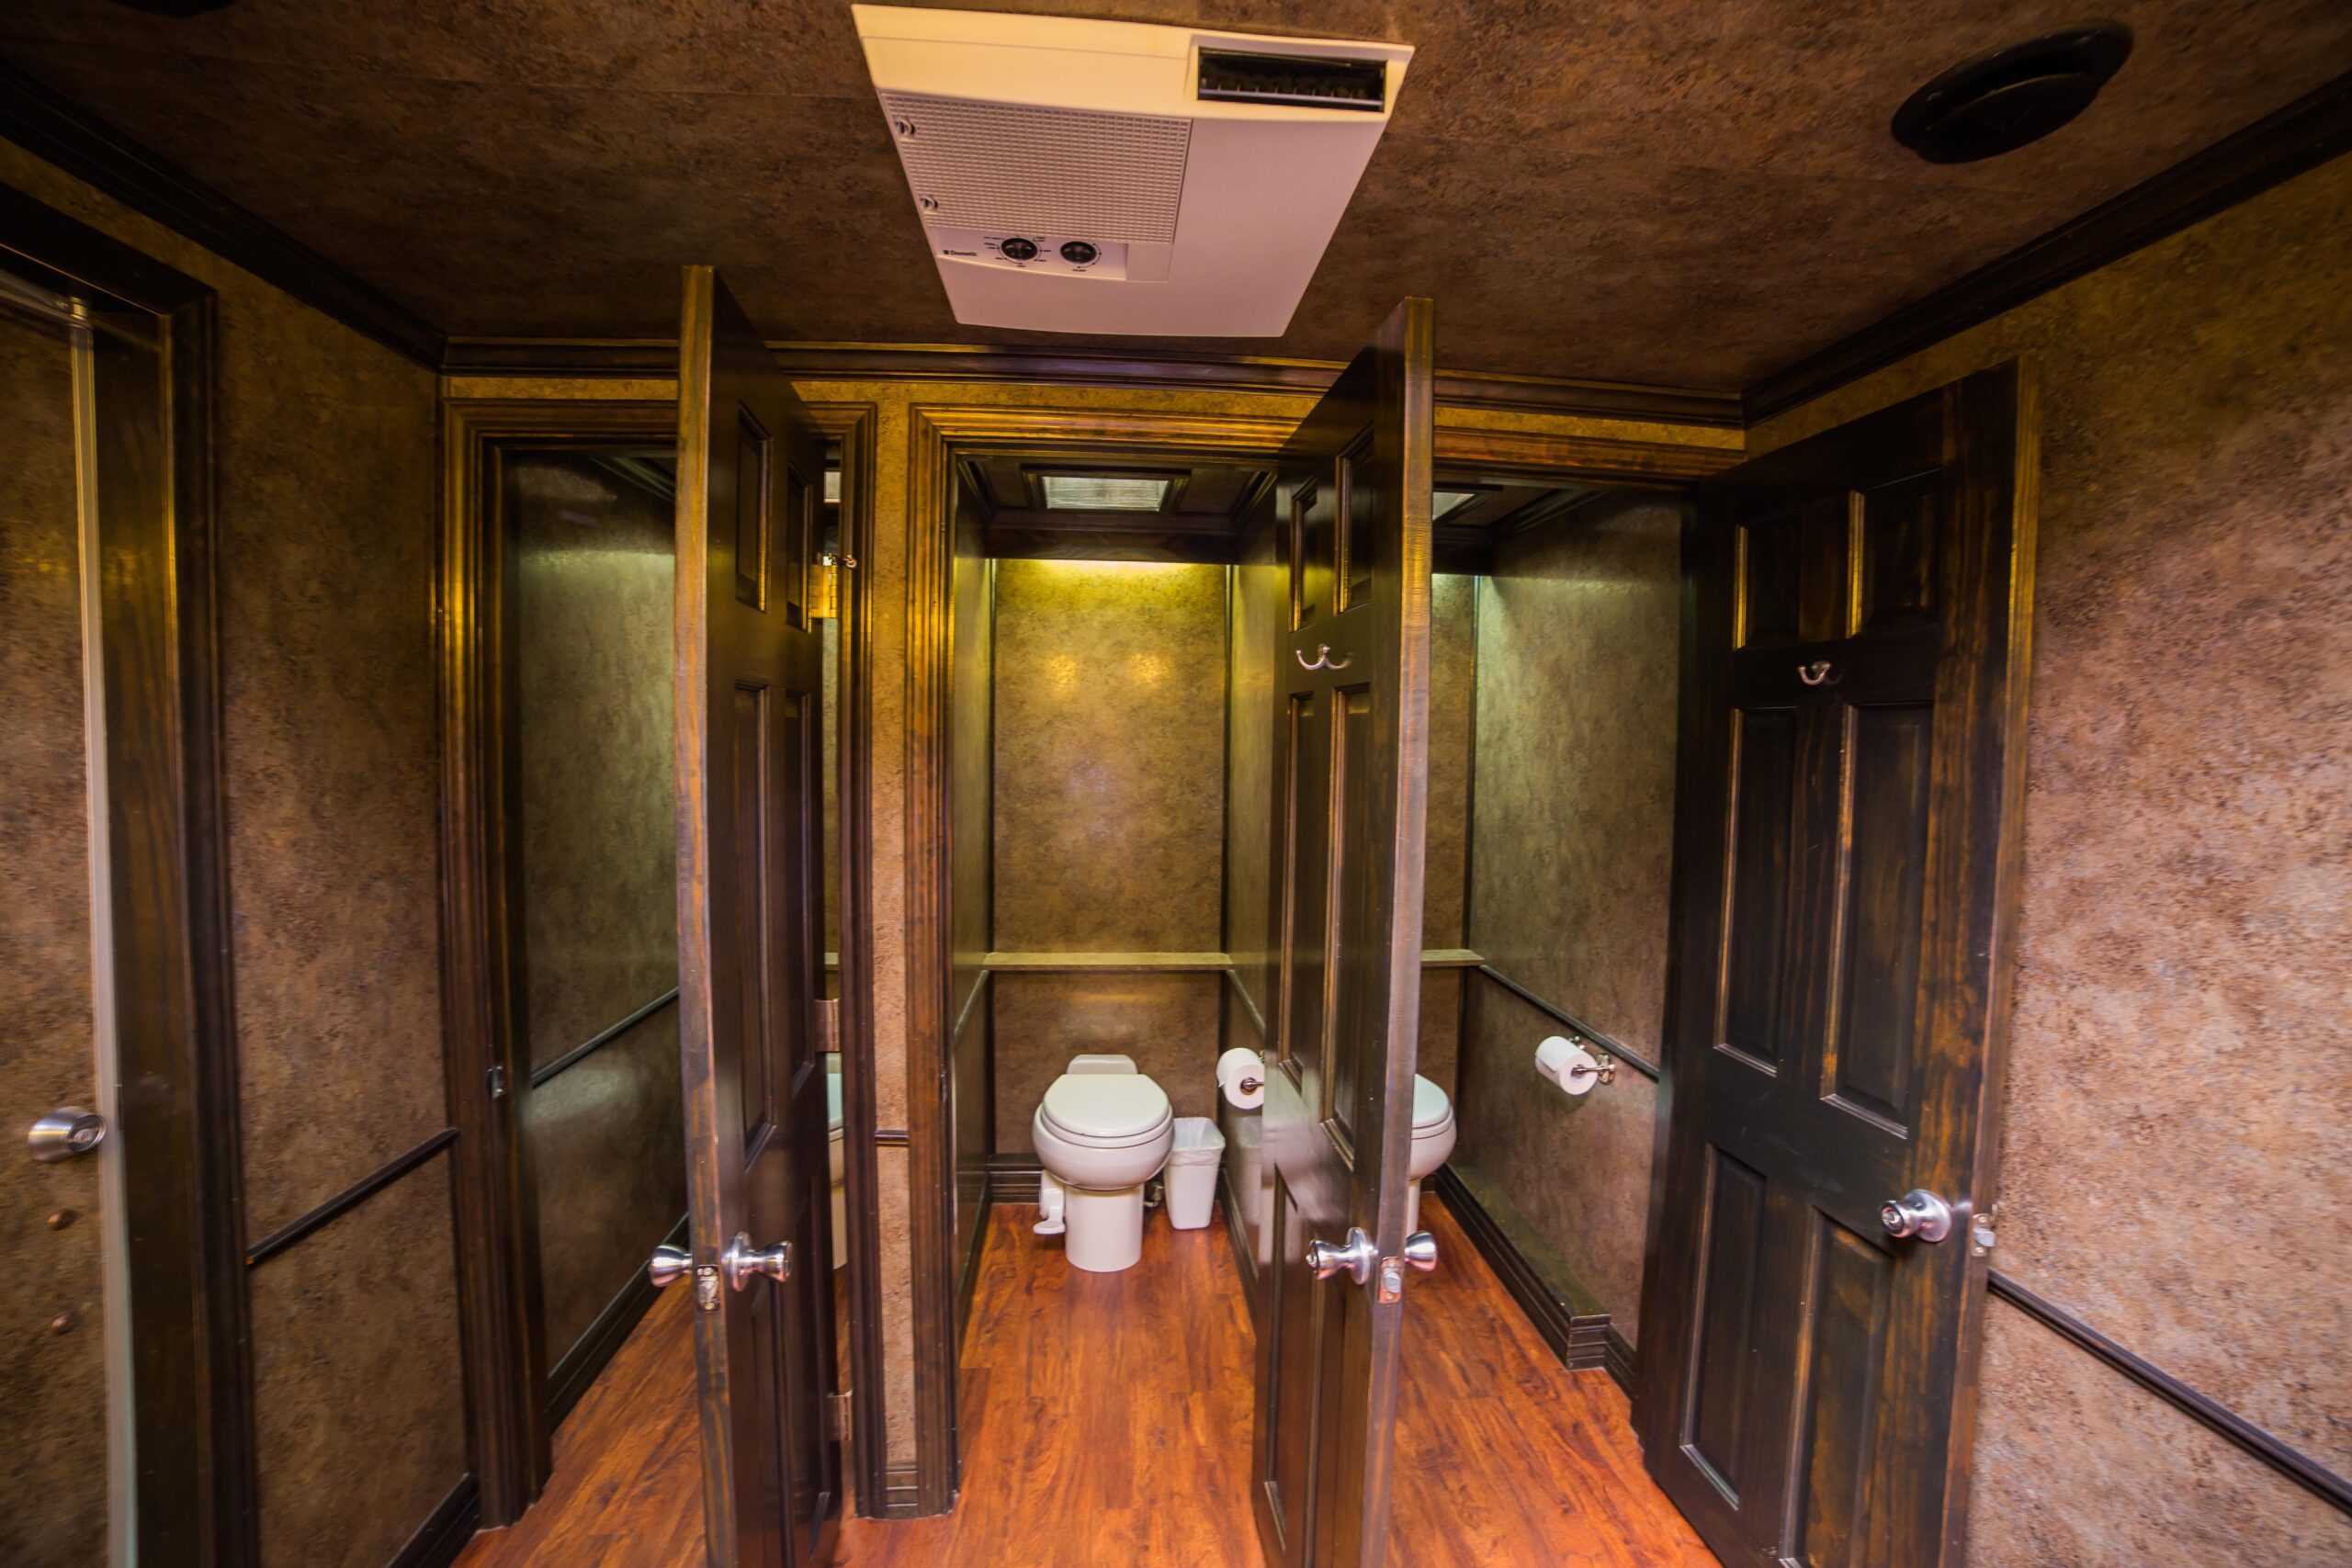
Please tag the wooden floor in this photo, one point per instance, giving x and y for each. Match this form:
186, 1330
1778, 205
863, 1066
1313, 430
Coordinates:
1106, 1419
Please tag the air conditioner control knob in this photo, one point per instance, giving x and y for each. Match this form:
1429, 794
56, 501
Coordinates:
1018, 249
1078, 253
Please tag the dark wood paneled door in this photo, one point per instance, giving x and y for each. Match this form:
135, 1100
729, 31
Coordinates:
1351, 716
750, 477
1852, 743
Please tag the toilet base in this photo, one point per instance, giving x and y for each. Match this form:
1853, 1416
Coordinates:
1105, 1232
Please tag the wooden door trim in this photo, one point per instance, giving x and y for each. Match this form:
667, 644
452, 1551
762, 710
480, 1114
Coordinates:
507, 1367
173, 996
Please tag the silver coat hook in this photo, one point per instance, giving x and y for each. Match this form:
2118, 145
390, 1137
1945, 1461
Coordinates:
1323, 660
1814, 673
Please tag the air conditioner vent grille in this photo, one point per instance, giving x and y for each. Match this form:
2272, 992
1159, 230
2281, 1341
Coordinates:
1013, 168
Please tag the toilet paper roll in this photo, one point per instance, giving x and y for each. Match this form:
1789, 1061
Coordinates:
1557, 1055
1237, 1067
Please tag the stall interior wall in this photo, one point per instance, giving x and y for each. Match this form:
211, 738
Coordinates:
1109, 783
592, 897
1571, 851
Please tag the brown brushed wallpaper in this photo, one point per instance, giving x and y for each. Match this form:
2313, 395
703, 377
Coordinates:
1683, 191
56, 1487
590, 572
1577, 1168
325, 493
1572, 853
1168, 1022
2177, 1169
359, 1432
1577, 635
1110, 756
1258, 601
606, 1139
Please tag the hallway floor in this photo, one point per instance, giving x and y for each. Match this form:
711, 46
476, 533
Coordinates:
1108, 1421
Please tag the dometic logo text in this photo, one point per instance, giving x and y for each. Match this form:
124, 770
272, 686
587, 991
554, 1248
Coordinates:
948, 252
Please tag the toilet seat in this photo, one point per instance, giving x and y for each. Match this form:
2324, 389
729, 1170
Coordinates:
1433, 1129
1099, 1111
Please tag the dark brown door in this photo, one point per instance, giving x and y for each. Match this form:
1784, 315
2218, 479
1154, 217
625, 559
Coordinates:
1853, 735
751, 475
1350, 715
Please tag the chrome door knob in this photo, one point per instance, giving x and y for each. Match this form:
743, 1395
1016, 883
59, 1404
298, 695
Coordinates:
65, 1133
1355, 1258
669, 1264
745, 1263
1917, 1213
1420, 1250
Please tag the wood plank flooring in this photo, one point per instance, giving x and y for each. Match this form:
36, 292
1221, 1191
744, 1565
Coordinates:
1106, 1419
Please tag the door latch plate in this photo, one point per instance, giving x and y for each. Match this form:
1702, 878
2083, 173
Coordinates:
1392, 1279
706, 1287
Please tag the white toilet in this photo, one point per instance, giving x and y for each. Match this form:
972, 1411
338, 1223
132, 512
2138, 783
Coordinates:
1103, 1131
1432, 1142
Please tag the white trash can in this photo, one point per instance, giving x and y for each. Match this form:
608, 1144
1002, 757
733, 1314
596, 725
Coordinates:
1192, 1172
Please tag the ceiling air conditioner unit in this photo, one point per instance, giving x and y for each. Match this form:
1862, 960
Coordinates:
1114, 177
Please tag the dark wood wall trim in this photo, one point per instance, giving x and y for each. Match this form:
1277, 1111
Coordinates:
149, 363
1013, 1177
438, 1541
1571, 1322
2303, 135
2296, 1466
854, 427
1092, 368
602, 1038
1568, 1020
350, 1198
59, 131
930, 1172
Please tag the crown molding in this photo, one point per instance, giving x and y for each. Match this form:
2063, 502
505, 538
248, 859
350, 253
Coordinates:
61, 133
2301, 136
1092, 368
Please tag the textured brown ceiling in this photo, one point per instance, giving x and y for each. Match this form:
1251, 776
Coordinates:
1683, 192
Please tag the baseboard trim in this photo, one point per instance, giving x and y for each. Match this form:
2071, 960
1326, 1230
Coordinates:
1013, 1177
967, 1287
443, 1534
1236, 1230
1617, 1361
1571, 1322
901, 1494
585, 1362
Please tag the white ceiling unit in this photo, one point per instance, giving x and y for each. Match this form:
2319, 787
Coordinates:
1114, 177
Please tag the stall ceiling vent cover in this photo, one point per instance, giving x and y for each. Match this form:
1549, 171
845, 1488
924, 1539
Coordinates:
1118, 176
1112, 177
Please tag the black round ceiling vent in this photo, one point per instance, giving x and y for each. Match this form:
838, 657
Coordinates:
1999, 102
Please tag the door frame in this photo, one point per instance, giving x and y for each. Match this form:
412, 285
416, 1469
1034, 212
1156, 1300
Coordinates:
510, 1431
177, 1113
941, 435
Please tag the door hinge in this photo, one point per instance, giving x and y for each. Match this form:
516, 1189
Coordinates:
498, 1083
837, 1416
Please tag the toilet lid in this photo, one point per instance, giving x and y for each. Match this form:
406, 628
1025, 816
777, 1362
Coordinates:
1105, 1105
1431, 1109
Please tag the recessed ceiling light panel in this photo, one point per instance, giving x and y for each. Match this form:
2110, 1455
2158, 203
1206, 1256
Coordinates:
1102, 492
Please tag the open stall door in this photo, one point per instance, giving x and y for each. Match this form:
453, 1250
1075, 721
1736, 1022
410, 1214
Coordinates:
1351, 718
751, 473
1846, 850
